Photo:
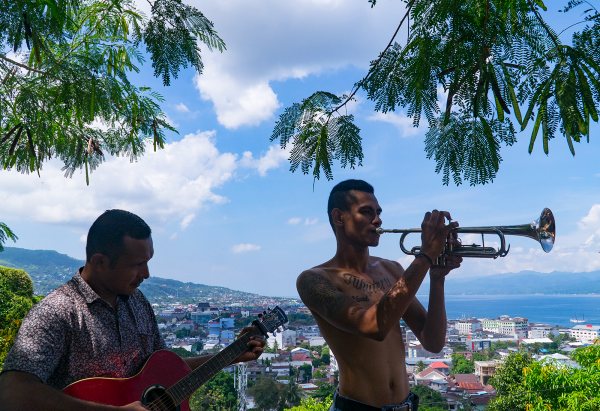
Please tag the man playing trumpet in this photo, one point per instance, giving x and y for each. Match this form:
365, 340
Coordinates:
358, 300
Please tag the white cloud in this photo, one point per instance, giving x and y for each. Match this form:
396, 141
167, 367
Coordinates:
268, 41
311, 221
244, 248
402, 122
182, 108
273, 158
173, 183
305, 221
592, 218
237, 103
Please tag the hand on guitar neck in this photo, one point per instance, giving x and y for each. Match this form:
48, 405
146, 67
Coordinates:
166, 381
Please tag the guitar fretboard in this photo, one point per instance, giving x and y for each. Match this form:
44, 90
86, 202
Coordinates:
190, 383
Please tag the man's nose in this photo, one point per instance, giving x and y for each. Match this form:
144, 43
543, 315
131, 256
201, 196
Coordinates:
377, 222
146, 271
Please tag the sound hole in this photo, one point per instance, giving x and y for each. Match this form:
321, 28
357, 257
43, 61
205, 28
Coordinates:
156, 398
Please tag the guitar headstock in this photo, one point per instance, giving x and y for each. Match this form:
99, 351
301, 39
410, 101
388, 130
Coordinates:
270, 320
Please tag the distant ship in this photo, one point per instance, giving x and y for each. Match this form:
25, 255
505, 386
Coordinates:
577, 320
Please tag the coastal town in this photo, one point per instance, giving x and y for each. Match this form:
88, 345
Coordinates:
298, 352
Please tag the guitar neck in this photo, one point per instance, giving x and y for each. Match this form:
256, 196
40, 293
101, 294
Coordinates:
185, 387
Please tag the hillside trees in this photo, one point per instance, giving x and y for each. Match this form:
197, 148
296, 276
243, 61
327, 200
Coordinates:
524, 384
462, 365
65, 88
502, 68
16, 299
216, 394
429, 399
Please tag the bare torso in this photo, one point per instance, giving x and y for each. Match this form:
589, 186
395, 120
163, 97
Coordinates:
370, 371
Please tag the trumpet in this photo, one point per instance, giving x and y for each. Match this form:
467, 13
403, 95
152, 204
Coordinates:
543, 230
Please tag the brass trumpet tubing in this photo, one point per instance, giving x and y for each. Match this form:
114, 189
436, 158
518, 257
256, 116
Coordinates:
543, 230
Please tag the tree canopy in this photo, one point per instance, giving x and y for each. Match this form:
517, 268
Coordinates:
16, 299
65, 69
216, 394
65, 88
524, 384
501, 67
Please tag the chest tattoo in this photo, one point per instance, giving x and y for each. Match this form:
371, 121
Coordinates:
360, 298
382, 285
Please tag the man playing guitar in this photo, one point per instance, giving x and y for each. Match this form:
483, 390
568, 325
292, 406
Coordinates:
98, 324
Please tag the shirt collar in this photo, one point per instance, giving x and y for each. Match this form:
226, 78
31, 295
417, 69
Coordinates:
84, 288
87, 292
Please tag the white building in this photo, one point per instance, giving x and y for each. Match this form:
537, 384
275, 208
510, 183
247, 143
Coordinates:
585, 333
516, 326
541, 331
316, 341
283, 339
286, 338
469, 326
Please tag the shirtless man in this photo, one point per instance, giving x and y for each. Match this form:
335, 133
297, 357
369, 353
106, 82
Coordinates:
358, 300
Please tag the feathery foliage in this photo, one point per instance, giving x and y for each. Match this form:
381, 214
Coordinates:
319, 134
6, 234
491, 58
64, 86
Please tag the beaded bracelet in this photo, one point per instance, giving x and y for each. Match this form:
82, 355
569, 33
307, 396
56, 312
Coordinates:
420, 254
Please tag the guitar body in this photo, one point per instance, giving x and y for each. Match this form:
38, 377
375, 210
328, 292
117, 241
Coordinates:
162, 370
166, 382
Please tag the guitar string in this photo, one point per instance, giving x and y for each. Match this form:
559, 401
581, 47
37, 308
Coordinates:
179, 388
166, 399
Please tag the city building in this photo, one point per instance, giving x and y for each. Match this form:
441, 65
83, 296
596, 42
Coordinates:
505, 325
585, 333
468, 326
541, 331
485, 369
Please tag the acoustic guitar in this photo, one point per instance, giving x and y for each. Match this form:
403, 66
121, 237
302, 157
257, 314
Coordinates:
166, 382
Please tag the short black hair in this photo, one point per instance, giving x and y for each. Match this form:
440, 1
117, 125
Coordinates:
107, 232
340, 196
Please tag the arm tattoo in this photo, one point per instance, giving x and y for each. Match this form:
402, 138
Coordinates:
318, 293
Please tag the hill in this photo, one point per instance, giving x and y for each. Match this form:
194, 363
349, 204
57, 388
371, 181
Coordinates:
49, 269
527, 282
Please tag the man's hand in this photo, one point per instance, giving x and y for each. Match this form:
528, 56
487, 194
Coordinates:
435, 232
256, 347
450, 261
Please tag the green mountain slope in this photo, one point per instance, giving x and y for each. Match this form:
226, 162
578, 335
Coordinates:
49, 269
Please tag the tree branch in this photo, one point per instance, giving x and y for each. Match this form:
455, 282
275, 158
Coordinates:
16, 63
539, 18
358, 85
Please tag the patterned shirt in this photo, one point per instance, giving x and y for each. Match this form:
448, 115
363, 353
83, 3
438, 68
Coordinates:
73, 334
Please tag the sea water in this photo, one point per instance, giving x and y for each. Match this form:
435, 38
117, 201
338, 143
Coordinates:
552, 309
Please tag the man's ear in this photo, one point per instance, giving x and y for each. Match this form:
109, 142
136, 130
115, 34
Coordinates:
337, 217
100, 261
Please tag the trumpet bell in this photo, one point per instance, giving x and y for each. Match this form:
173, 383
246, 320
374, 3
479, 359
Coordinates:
546, 230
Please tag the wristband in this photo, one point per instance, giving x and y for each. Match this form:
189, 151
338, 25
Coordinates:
421, 254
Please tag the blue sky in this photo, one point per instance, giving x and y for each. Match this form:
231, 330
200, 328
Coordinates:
225, 209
